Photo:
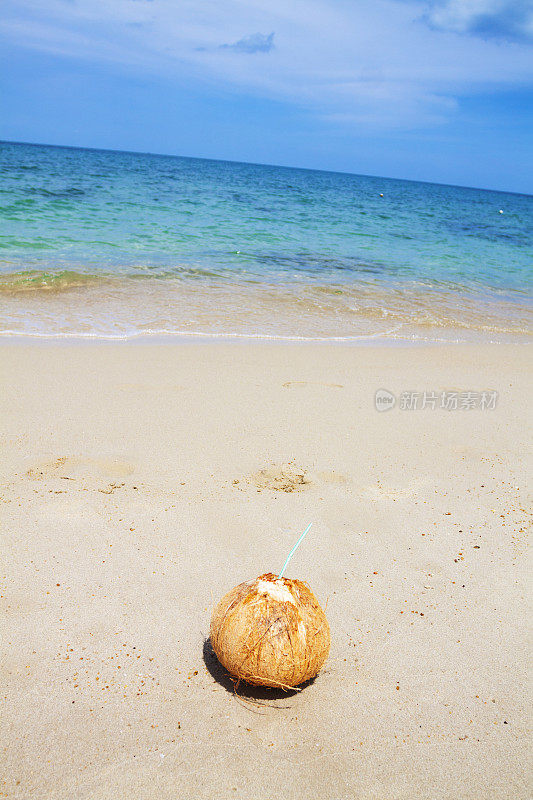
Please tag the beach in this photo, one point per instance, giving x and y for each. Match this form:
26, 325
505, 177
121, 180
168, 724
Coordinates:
142, 480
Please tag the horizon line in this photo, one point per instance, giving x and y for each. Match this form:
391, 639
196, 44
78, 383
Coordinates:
262, 164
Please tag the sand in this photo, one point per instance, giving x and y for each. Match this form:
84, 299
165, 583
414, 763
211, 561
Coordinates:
140, 482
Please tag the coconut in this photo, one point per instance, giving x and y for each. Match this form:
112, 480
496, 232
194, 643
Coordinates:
270, 632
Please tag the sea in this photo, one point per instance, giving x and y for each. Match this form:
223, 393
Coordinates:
117, 245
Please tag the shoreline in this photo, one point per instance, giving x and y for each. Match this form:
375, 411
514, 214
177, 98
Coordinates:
9, 337
257, 310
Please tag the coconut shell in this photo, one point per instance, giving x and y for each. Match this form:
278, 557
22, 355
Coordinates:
270, 632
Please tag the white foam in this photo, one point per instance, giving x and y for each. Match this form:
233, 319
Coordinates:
164, 333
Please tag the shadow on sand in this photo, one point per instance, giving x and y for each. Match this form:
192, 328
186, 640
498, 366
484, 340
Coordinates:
262, 695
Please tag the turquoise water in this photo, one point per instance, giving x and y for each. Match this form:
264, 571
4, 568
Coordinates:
100, 243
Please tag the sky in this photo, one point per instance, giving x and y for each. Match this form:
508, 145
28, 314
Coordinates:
433, 90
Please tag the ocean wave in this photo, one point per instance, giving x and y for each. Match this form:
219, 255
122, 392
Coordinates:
43, 304
43, 281
164, 333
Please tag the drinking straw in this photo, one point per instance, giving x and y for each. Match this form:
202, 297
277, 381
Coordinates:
294, 550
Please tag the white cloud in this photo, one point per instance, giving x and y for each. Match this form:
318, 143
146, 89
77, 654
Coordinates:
370, 62
510, 20
255, 43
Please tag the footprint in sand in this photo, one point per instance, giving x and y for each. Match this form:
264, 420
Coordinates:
280, 479
72, 467
295, 384
333, 477
150, 387
288, 478
382, 492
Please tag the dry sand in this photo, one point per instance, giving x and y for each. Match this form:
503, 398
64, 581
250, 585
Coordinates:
141, 482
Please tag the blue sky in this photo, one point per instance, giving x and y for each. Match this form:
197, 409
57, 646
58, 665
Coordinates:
437, 90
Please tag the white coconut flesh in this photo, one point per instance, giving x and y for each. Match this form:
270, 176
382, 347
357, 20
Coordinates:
278, 591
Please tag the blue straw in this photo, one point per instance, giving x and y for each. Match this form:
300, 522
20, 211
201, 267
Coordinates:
293, 551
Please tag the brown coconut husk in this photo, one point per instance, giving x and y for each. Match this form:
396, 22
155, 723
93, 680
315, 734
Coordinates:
270, 632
